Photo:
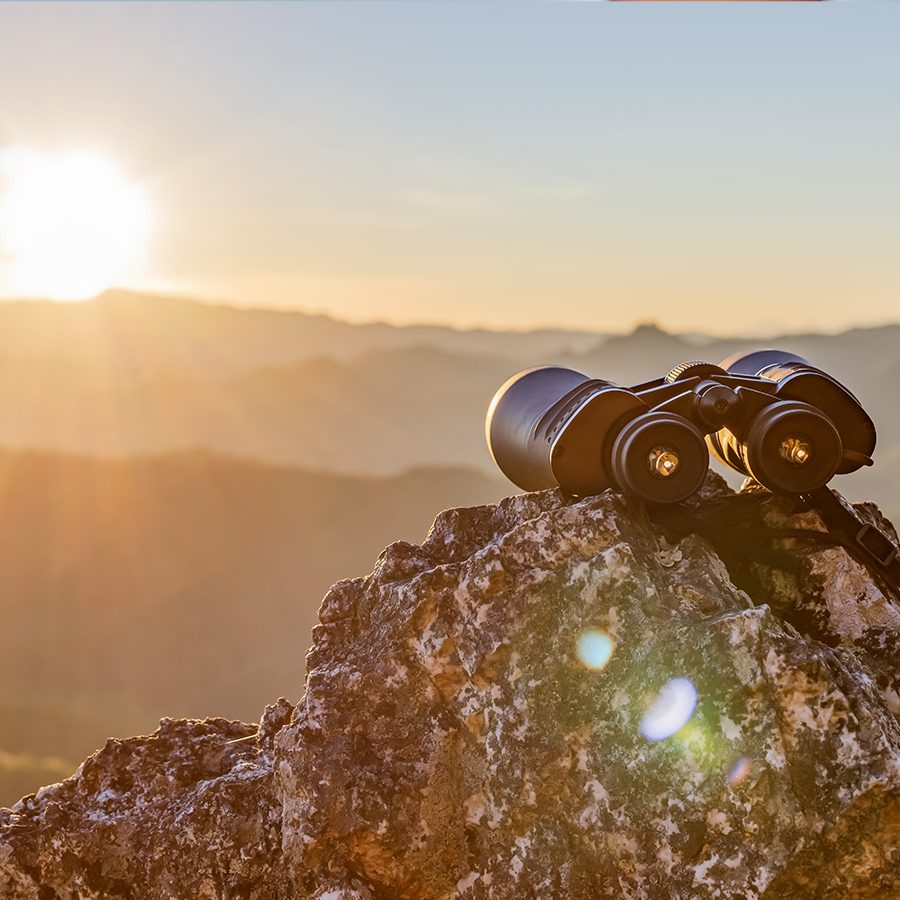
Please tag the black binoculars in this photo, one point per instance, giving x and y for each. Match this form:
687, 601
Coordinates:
769, 414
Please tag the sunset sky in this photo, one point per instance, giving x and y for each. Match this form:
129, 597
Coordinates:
506, 164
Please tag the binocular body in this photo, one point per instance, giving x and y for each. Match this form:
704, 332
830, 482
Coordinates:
768, 414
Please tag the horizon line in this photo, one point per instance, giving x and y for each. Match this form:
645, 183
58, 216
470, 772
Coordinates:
198, 299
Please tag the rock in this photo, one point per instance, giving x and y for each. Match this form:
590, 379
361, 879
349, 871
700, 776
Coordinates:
186, 812
547, 698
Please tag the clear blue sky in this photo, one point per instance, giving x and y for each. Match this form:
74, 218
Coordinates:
589, 164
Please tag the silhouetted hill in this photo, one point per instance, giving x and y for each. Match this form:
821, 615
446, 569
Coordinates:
185, 585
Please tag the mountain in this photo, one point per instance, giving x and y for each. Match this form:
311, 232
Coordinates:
141, 336
128, 374
182, 585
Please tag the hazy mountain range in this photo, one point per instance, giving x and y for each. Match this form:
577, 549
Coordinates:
128, 374
173, 336
182, 482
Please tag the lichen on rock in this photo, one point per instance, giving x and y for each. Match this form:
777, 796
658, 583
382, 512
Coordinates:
737, 737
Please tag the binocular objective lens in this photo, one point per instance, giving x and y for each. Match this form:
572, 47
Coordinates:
791, 448
659, 457
796, 450
663, 462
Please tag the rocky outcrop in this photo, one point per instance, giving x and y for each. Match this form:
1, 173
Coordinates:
547, 698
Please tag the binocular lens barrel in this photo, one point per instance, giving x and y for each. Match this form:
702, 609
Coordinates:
789, 447
799, 381
758, 362
519, 447
659, 457
554, 427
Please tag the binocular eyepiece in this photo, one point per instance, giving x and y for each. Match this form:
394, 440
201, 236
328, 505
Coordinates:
768, 414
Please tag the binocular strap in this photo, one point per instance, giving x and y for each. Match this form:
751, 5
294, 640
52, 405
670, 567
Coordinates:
864, 541
736, 530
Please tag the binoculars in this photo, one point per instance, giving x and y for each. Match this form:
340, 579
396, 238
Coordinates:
768, 414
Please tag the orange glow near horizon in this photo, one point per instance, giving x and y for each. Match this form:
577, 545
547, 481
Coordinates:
71, 224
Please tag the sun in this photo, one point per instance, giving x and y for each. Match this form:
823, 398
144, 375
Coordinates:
71, 224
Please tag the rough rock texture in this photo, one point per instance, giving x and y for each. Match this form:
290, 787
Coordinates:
452, 744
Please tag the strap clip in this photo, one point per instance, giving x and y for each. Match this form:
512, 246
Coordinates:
877, 544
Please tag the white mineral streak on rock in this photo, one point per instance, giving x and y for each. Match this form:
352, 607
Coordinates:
854, 602
475, 808
519, 854
668, 825
807, 703
701, 871
731, 731
892, 700
719, 820
465, 883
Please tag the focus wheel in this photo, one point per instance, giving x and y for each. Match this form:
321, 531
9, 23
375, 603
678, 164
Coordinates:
694, 368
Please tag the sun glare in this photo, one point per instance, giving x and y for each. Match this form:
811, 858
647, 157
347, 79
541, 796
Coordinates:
71, 224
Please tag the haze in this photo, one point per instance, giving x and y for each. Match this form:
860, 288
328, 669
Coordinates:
722, 169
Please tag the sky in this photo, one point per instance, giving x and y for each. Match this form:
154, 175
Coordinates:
590, 165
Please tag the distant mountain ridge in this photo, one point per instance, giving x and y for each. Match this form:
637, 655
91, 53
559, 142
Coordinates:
132, 374
177, 334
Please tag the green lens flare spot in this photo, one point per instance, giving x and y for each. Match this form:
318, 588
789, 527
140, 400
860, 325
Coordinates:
595, 649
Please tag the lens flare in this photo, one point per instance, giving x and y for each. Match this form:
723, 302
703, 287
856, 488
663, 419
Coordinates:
595, 648
671, 710
739, 771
